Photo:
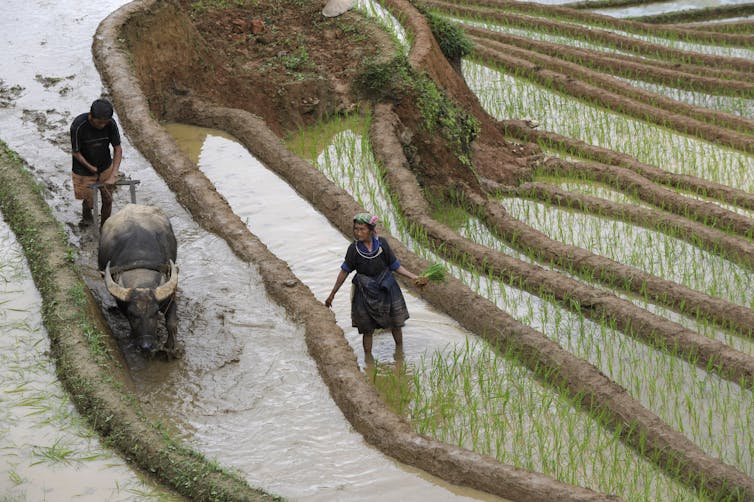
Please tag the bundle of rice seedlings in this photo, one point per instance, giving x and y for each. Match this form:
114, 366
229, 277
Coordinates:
434, 273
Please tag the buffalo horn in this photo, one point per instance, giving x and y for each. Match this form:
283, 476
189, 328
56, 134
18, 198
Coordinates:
164, 291
118, 291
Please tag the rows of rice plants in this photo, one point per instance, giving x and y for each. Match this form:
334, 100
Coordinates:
473, 229
521, 449
671, 258
505, 96
565, 24
685, 407
742, 107
651, 9
540, 36
455, 395
585, 185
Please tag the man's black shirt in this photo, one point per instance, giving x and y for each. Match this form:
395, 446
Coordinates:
94, 144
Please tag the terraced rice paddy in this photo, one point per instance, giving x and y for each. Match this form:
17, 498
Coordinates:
476, 396
610, 290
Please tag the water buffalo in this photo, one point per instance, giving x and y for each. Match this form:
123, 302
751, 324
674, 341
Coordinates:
137, 251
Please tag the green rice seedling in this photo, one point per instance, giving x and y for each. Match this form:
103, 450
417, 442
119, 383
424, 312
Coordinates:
435, 272
15, 477
55, 453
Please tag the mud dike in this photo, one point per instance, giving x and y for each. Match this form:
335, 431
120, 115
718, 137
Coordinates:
636, 425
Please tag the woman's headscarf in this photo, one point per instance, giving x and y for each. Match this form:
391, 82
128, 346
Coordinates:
366, 218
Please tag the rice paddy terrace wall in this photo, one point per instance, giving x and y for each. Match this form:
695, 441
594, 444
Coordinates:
678, 322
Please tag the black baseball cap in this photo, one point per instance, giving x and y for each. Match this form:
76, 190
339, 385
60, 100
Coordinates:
101, 109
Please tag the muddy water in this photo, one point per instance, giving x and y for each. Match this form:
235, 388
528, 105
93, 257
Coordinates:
246, 391
48, 452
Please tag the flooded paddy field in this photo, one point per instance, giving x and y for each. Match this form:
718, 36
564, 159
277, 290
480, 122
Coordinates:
249, 391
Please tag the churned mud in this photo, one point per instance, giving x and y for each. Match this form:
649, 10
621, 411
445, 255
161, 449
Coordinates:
234, 95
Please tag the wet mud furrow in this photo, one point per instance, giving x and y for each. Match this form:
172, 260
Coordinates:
642, 105
709, 239
336, 361
692, 78
571, 15
522, 131
638, 427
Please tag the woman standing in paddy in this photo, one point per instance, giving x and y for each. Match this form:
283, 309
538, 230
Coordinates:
377, 300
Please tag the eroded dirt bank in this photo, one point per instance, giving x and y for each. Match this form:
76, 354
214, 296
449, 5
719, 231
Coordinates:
335, 359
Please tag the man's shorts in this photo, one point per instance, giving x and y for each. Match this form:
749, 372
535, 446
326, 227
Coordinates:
81, 188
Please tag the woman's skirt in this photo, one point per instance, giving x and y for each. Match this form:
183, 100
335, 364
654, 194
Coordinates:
377, 303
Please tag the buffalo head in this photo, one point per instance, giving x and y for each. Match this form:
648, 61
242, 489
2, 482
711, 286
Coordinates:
142, 305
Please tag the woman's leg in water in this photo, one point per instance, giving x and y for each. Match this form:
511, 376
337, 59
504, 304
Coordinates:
398, 336
366, 341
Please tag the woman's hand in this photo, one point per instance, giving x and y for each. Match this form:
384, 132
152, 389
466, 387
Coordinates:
420, 281
328, 302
